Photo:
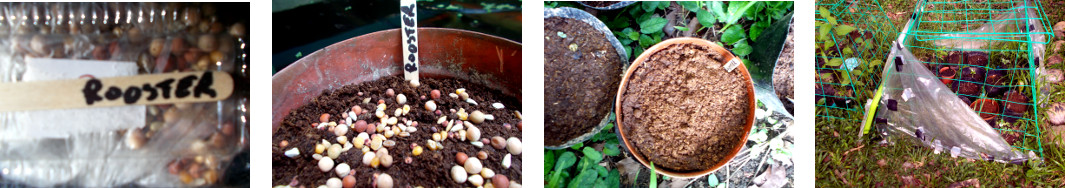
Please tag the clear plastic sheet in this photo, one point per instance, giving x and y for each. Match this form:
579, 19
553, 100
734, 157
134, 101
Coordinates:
177, 145
915, 104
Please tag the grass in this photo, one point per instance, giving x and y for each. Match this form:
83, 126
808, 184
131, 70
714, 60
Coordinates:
844, 159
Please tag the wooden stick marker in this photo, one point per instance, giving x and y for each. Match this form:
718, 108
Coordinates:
185, 87
409, 19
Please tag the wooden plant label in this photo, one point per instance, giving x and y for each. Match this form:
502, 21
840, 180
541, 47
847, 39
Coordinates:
732, 64
185, 87
408, 9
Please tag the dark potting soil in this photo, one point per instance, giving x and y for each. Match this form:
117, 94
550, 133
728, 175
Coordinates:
582, 72
430, 169
783, 73
600, 3
682, 110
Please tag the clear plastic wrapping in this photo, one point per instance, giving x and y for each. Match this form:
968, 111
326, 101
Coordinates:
916, 104
177, 144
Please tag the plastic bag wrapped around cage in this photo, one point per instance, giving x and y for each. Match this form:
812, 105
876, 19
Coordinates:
915, 104
170, 145
1023, 17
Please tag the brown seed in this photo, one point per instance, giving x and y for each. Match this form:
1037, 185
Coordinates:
349, 181
217, 140
175, 166
356, 109
390, 92
435, 94
192, 54
228, 129
196, 170
482, 155
217, 56
500, 181
177, 45
324, 117
498, 142
360, 126
284, 143
207, 43
408, 160
156, 47
461, 157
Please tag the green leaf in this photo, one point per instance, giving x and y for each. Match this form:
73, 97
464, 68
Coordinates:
755, 10
827, 15
586, 178
822, 32
620, 22
577, 146
705, 18
565, 161
756, 30
741, 48
733, 34
632, 34
646, 41
590, 153
846, 80
711, 180
690, 5
718, 8
654, 24
847, 51
611, 148
736, 10
835, 62
663, 5
613, 179
844, 29
680, 28
649, 6
549, 161
654, 177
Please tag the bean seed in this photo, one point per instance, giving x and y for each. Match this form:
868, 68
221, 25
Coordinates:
487, 173
430, 105
473, 166
367, 158
476, 180
343, 169
342, 139
135, 138
324, 118
461, 157
386, 161
473, 133
156, 46
284, 143
389, 143
334, 151
319, 148
458, 174
435, 94
349, 181
384, 181
401, 99
325, 164
207, 43
514, 146
500, 181
341, 130
482, 155
499, 142
334, 183
292, 153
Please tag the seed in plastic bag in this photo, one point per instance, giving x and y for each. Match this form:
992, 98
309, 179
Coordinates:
238, 30
325, 164
178, 46
156, 46
207, 43
135, 138
228, 129
217, 140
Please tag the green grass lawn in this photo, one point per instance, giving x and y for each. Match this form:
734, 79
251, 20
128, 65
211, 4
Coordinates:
845, 160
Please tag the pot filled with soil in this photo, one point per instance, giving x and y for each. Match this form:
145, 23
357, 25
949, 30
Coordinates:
996, 83
606, 5
345, 114
979, 59
946, 75
968, 88
988, 109
681, 107
582, 68
1016, 105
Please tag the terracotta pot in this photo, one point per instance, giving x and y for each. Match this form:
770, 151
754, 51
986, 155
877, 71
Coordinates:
445, 53
986, 108
946, 75
726, 57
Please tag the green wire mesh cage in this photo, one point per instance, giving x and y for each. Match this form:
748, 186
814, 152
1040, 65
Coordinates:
987, 52
852, 39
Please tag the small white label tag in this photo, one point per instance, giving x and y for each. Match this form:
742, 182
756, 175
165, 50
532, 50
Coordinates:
732, 64
409, 19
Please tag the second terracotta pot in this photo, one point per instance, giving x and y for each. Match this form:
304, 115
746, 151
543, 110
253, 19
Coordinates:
726, 56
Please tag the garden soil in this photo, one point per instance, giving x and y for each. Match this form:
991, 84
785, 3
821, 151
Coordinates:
683, 111
430, 169
582, 72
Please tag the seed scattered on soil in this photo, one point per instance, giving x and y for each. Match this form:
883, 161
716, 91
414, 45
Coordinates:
461, 157
473, 133
349, 181
368, 158
506, 161
499, 142
390, 92
292, 153
324, 118
334, 183
343, 169
417, 151
487, 173
458, 174
477, 117
473, 166
430, 105
384, 181
482, 155
325, 164
334, 151
500, 181
476, 180
401, 99
514, 145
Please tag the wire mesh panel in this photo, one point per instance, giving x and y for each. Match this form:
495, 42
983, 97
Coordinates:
852, 39
987, 53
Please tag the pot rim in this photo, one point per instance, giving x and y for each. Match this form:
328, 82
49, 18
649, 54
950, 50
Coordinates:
728, 56
994, 104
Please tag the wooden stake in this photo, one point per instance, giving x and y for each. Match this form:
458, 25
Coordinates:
185, 87
409, 18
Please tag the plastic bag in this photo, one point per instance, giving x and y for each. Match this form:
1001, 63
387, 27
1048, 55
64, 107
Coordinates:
175, 145
916, 104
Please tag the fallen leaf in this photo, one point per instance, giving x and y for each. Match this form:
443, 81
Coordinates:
774, 177
853, 149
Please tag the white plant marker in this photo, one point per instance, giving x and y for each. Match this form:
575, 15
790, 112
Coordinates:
409, 19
